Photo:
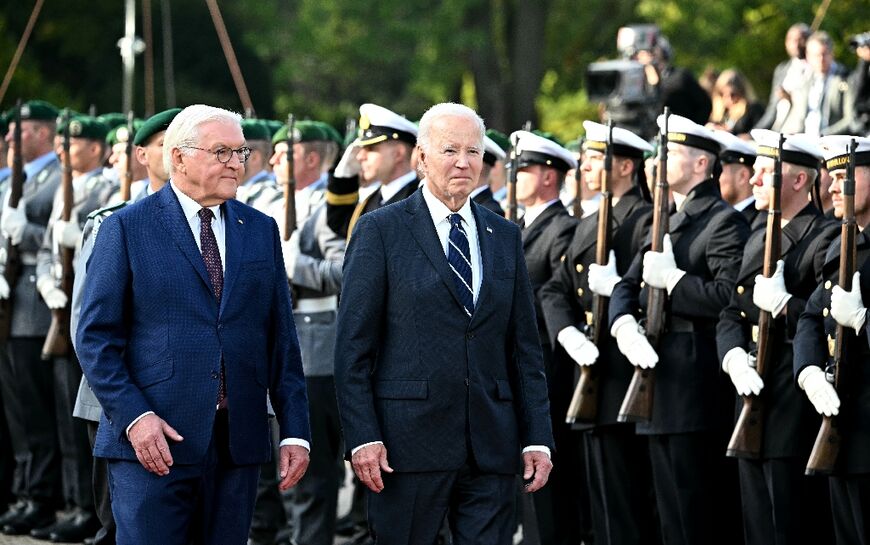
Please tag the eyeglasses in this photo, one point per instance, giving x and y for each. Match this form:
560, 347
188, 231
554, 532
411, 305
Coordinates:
223, 155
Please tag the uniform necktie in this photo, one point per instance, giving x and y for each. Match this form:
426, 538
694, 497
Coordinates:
459, 259
212, 258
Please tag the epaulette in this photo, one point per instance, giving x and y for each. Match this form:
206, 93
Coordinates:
106, 210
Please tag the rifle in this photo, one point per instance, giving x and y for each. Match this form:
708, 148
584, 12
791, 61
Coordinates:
290, 188
638, 402
584, 403
827, 445
578, 202
127, 175
13, 258
512, 181
746, 438
57, 341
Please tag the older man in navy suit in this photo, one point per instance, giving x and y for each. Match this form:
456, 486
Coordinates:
185, 324
438, 368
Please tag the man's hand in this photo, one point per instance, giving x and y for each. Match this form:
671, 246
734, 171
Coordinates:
13, 221
368, 462
603, 278
290, 249
348, 166
847, 307
740, 366
770, 293
54, 297
66, 233
660, 268
582, 350
4, 287
536, 466
820, 392
148, 437
633, 344
294, 462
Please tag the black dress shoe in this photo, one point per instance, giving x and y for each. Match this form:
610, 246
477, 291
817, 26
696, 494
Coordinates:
346, 527
90, 540
35, 515
12, 512
44, 532
82, 524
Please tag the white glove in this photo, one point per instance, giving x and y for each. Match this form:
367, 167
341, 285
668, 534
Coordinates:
291, 253
770, 293
603, 278
847, 307
632, 343
582, 350
66, 233
4, 288
348, 166
740, 366
821, 393
54, 297
13, 222
659, 268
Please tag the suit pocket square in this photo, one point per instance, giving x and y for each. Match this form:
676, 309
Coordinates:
402, 389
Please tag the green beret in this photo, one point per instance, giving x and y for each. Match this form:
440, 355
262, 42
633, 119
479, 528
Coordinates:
331, 132
273, 125
113, 119
120, 133
499, 138
156, 123
36, 110
303, 131
574, 145
84, 126
255, 129
4, 124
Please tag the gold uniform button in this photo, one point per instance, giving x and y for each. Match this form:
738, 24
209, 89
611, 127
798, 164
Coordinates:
740, 290
742, 314
827, 284
642, 285
579, 268
562, 258
580, 292
825, 312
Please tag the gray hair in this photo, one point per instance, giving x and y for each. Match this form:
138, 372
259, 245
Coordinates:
184, 129
443, 110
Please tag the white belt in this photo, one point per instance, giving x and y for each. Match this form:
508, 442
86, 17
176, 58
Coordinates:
317, 304
28, 259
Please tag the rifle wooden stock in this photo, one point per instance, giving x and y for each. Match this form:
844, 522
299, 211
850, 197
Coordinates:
13, 260
290, 188
584, 402
826, 449
512, 182
57, 341
748, 432
637, 405
577, 207
127, 175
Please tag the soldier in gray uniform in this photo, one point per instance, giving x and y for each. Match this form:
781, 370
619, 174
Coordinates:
28, 392
90, 191
7, 458
258, 177
148, 146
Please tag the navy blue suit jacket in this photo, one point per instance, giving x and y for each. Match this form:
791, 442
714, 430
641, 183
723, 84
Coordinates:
151, 336
414, 371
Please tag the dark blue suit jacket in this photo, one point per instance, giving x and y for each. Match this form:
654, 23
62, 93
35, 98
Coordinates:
412, 370
151, 336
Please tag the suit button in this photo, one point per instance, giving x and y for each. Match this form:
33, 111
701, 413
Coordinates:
214, 375
740, 290
742, 314
220, 326
825, 312
307, 319
580, 292
467, 382
579, 268
827, 284
642, 285
469, 335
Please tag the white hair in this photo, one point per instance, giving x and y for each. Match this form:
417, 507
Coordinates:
446, 109
184, 129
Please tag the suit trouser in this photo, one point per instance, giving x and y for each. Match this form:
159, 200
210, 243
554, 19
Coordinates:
850, 503
620, 484
209, 503
313, 502
781, 505
480, 507
76, 457
28, 397
102, 496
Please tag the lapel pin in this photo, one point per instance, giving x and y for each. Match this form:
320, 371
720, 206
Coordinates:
241, 221
489, 229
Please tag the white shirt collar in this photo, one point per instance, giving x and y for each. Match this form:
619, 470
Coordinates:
440, 212
532, 212
389, 190
744, 204
477, 191
190, 207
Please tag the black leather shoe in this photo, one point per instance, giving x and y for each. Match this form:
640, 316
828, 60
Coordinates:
346, 527
90, 540
44, 532
14, 510
82, 524
35, 515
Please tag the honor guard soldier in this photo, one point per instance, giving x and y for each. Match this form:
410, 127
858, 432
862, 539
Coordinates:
482, 194
117, 140
258, 175
697, 268
780, 504
384, 147
617, 465
498, 173
814, 347
28, 389
737, 158
546, 231
7, 458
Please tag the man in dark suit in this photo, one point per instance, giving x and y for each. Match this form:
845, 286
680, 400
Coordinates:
185, 324
737, 157
482, 194
828, 306
780, 503
697, 266
438, 366
788, 76
617, 465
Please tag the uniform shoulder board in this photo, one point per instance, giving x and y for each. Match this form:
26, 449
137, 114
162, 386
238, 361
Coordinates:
106, 210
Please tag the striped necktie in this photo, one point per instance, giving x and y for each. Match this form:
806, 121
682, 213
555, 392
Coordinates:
459, 259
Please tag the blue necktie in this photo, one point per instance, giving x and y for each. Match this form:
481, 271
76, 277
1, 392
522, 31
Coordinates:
459, 259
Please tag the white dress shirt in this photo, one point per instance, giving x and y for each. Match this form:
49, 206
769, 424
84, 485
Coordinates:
532, 212
389, 190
